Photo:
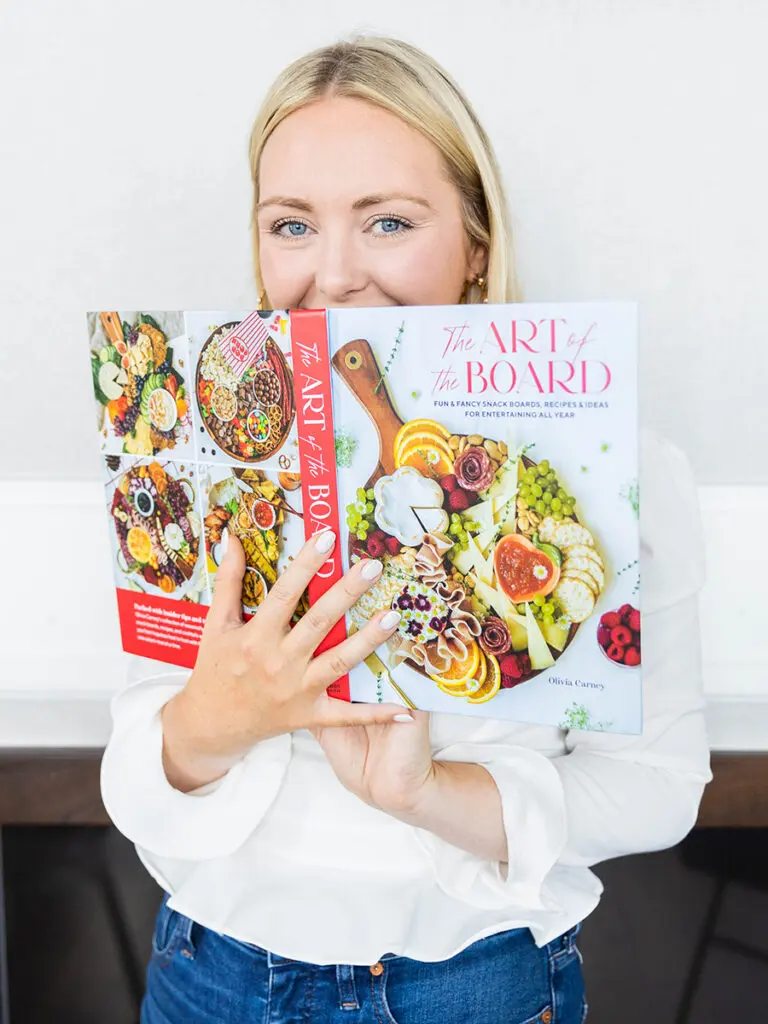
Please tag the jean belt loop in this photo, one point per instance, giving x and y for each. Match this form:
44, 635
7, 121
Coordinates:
345, 979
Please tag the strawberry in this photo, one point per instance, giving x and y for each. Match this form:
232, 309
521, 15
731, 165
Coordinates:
615, 653
631, 656
375, 547
604, 636
610, 620
625, 611
633, 620
510, 666
392, 544
449, 483
621, 635
458, 500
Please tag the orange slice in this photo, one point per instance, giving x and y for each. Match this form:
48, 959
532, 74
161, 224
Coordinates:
139, 544
437, 430
491, 686
460, 672
427, 453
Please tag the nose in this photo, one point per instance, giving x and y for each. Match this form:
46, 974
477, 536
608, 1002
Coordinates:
339, 272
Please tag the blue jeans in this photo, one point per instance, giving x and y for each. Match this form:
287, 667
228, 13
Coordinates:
196, 976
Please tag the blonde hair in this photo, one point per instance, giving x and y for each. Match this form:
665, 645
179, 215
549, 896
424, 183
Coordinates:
402, 79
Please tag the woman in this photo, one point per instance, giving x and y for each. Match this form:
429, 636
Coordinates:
347, 862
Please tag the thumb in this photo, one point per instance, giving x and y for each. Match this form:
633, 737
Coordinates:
227, 604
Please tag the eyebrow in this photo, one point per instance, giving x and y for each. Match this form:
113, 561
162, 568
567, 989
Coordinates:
376, 199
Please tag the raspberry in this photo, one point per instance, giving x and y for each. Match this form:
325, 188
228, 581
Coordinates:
625, 611
615, 653
633, 621
375, 547
621, 635
610, 620
378, 534
604, 636
449, 482
392, 544
458, 501
510, 666
631, 656
507, 682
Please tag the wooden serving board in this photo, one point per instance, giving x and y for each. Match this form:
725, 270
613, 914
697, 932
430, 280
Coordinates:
356, 364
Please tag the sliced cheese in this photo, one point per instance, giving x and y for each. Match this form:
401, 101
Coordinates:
483, 566
555, 635
500, 603
464, 560
485, 538
540, 654
518, 635
482, 514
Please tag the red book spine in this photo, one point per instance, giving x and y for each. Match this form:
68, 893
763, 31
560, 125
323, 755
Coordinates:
317, 457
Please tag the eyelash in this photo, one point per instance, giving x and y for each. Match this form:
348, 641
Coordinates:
405, 225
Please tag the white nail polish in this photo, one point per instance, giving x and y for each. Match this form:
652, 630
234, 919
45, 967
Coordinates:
372, 569
325, 541
224, 542
403, 718
390, 620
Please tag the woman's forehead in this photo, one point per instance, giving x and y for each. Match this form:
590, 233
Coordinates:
352, 148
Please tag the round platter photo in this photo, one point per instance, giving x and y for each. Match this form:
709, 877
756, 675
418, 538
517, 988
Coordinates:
157, 528
247, 415
485, 556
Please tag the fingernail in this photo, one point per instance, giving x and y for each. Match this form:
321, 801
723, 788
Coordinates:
390, 620
325, 541
224, 543
371, 569
403, 718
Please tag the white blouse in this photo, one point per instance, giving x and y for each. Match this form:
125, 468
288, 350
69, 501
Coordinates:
278, 853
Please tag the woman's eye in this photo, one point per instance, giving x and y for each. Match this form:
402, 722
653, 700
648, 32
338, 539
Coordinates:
389, 226
290, 229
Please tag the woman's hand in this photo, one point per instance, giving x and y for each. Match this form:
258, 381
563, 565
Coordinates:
260, 679
387, 766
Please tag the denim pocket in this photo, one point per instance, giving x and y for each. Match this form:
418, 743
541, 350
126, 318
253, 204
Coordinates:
168, 926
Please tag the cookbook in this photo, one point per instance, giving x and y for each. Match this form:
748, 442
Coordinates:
487, 455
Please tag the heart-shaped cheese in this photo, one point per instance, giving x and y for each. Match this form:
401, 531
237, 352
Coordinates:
523, 571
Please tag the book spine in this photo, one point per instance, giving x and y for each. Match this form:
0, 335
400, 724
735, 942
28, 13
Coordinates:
317, 457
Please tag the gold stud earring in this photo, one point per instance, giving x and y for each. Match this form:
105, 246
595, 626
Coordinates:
262, 299
482, 284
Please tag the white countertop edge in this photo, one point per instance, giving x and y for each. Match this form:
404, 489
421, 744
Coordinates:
81, 720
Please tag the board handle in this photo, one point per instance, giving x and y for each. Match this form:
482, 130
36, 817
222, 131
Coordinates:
356, 364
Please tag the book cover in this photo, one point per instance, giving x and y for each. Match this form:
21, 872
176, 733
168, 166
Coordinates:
487, 455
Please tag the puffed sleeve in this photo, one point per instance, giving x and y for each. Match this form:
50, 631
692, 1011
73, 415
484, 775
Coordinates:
212, 821
608, 795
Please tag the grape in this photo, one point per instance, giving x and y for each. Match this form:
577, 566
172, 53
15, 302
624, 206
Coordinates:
530, 476
541, 507
558, 514
370, 494
556, 504
360, 494
537, 490
562, 495
369, 508
360, 535
548, 620
464, 545
570, 501
544, 467
552, 476
525, 491
538, 600
520, 609
354, 515
463, 536
547, 496
567, 510
548, 607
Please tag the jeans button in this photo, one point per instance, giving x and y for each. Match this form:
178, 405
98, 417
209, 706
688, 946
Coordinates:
378, 968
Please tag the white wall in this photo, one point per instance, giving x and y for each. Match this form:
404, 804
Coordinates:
631, 134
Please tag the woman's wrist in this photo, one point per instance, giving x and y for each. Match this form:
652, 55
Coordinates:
187, 761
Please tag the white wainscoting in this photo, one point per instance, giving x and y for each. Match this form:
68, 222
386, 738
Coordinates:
61, 649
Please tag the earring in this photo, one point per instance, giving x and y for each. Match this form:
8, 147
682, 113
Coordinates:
262, 299
482, 284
